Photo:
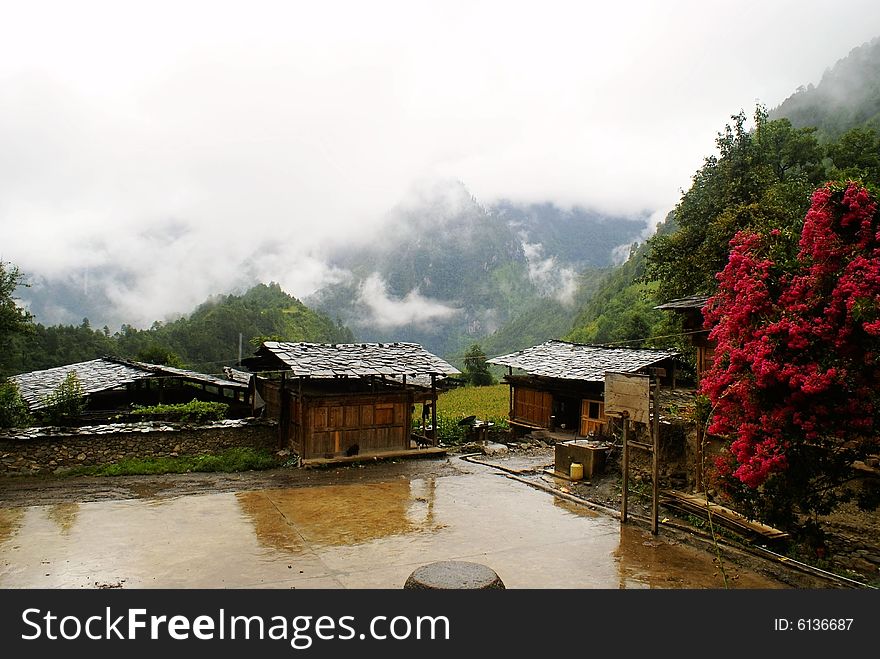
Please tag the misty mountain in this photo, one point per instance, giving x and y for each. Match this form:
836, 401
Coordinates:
206, 339
67, 298
848, 95
446, 271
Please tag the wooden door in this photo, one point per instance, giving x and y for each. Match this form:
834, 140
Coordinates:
592, 417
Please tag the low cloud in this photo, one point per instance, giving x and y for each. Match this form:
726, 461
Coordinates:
550, 278
622, 253
387, 312
251, 143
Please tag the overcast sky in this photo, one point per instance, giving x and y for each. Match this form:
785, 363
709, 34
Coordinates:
176, 141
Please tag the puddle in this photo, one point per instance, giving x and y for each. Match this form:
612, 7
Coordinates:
362, 535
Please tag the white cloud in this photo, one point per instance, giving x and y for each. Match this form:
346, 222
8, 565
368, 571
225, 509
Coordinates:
550, 278
387, 312
297, 125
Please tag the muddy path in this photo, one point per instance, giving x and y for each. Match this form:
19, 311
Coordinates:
35, 491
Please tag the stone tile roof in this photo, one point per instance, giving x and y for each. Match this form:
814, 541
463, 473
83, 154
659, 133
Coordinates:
579, 361
102, 374
34, 433
94, 376
192, 375
325, 360
418, 380
237, 375
690, 302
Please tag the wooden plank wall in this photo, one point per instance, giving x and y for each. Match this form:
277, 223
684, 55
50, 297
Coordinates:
373, 423
271, 393
532, 406
705, 358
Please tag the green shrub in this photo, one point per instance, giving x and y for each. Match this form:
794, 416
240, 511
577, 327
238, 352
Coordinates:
230, 460
195, 411
65, 403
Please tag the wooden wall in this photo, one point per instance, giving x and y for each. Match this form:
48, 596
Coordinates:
375, 423
532, 406
705, 359
325, 421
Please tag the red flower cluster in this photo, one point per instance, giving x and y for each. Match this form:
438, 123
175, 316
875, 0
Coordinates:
798, 340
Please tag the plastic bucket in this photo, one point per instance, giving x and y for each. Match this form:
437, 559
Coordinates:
576, 471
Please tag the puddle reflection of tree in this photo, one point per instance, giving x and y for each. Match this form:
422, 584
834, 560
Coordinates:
10, 522
338, 515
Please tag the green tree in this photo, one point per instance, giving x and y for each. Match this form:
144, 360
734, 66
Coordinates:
66, 402
157, 354
13, 410
14, 319
14, 322
856, 155
476, 368
762, 178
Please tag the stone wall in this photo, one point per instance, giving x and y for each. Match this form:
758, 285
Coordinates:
51, 450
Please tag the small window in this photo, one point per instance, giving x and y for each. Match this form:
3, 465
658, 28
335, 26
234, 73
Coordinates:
593, 411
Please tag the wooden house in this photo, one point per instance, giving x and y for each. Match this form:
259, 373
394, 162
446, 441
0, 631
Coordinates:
563, 387
691, 309
109, 385
343, 402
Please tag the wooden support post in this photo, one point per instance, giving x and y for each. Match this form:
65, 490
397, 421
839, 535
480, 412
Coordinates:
282, 411
434, 409
698, 467
625, 465
655, 460
301, 417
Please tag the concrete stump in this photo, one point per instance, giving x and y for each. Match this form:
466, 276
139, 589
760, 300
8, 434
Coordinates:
453, 575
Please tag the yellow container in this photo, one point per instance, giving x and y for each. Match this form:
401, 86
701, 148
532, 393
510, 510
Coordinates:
576, 471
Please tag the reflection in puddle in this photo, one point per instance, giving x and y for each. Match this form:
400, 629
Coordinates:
64, 515
647, 561
336, 514
344, 536
10, 522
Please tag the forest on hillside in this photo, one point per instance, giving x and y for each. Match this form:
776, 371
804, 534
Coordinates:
207, 340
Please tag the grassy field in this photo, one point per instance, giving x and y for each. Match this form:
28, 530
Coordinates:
486, 403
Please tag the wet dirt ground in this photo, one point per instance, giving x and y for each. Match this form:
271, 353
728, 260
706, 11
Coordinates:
366, 526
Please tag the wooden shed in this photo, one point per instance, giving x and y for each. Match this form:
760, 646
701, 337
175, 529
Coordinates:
563, 388
110, 384
342, 402
691, 309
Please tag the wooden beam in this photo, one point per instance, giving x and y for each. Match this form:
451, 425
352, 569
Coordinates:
434, 408
282, 411
625, 468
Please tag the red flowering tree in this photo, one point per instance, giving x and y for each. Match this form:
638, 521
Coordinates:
796, 378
